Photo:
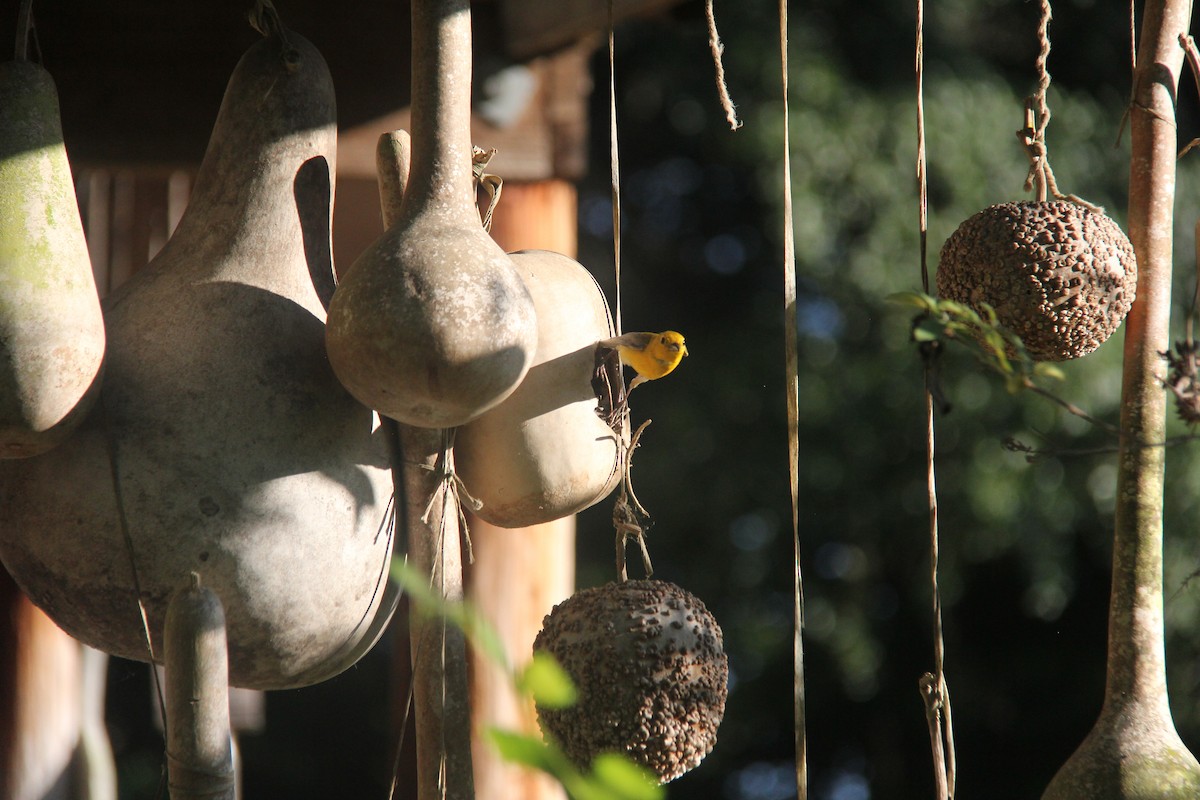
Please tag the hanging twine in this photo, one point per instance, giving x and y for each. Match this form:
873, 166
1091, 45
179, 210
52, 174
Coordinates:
450, 489
792, 384
25, 30
614, 162
629, 516
935, 692
492, 184
718, 49
1032, 134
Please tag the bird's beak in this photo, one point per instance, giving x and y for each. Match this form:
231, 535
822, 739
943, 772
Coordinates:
685, 350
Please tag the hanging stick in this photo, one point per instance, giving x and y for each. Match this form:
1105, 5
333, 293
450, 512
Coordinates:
791, 375
934, 690
614, 164
199, 740
428, 511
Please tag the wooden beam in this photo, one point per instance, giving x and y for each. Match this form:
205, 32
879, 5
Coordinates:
533, 27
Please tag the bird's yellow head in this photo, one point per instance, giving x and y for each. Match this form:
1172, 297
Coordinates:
670, 342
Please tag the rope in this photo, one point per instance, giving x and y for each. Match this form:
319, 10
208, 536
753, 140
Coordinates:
718, 48
1037, 117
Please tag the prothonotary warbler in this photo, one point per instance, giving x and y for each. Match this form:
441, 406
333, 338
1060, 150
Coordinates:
652, 355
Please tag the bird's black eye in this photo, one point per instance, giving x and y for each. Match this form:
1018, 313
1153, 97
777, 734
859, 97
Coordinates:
663, 339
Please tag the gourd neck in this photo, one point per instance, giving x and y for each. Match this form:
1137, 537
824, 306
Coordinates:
441, 108
1136, 662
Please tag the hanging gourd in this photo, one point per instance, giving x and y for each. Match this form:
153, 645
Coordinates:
51, 329
544, 452
432, 325
223, 443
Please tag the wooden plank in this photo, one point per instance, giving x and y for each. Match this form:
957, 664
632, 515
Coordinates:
534, 27
40, 700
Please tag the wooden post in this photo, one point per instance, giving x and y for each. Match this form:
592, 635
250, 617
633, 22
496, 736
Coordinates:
519, 574
40, 700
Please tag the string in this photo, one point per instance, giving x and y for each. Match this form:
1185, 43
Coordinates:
614, 163
24, 29
1037, 116
718, 48
111, 445
934, 689
791, 378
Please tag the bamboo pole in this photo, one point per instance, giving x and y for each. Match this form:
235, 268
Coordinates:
1134, 751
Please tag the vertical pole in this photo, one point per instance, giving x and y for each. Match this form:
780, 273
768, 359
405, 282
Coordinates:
441, 702
39, 699
1133, 751
520, 574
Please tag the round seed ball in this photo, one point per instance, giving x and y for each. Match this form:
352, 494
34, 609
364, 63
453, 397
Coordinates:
1059, 275
650, 666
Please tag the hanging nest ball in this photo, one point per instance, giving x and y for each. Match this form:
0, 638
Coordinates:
650, 666
1059, 275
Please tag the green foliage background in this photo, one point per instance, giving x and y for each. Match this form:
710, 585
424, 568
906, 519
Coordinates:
1025, 547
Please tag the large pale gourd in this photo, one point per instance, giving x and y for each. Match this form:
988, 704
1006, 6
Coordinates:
51, 329
223, 444
544, 453
432, 326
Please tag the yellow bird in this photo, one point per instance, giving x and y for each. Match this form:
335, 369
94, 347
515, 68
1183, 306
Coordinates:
652, 355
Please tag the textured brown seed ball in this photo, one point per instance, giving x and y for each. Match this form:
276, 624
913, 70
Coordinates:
1059, 275
650, 666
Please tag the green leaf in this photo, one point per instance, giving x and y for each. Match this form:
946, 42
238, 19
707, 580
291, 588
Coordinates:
465, 617
547, 682
1043, 370
955, 309
926, 331
520, 748
624, 778
914, 299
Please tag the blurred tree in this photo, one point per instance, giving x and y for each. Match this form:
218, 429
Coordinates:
1025, 545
